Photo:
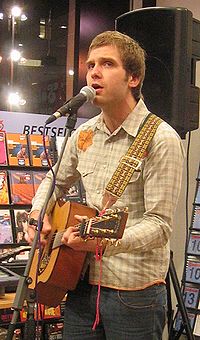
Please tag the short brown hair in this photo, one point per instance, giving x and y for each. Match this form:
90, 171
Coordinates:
131, 53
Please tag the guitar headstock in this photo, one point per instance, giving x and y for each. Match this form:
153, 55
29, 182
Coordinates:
110, 225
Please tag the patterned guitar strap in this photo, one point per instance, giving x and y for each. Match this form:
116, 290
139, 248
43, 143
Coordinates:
131, 161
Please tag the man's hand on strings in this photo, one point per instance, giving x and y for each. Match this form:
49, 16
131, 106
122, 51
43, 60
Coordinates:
72, 239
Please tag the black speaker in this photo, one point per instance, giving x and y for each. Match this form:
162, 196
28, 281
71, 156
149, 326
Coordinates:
171, 38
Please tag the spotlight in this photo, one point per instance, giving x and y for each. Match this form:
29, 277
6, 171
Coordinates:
15, 55
16, 11
23, 17
71, 72
14, 99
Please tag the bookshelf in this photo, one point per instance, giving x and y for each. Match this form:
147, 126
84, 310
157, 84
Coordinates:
22, 168
191, 281
19, 180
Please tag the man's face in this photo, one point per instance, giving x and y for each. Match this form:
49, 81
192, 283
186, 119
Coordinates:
106, 74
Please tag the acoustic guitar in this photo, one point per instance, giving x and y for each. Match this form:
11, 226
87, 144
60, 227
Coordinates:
60, 266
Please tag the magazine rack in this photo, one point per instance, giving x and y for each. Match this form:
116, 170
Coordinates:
191, 277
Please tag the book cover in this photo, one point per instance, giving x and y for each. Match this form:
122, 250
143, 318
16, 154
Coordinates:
44, 312
17, 149
21, 224
6, 235
21, 187
3, 153
38, 177
54, 330
38, 156
4, 196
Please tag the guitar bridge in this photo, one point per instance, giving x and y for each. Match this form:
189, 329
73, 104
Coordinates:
43, 263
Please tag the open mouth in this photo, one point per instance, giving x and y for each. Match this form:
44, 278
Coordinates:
96, 86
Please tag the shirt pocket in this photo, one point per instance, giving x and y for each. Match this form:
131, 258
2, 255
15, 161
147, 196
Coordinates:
87, 172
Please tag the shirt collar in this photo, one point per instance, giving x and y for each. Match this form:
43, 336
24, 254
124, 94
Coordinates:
135, 118
132, 123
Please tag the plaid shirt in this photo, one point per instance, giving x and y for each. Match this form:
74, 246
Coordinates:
92, 154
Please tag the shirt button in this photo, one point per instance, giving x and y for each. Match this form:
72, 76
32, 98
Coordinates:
104, 166
98, 192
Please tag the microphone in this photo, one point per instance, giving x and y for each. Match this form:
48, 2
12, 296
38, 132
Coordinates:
86, 94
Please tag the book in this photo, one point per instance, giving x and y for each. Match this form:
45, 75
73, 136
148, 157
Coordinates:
21, 186
17, 149
21, 224
38, 157
38, 177
44, 312
4, 196
3, 152
6, 235
54, 330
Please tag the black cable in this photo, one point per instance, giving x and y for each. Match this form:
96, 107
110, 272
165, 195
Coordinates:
186, 209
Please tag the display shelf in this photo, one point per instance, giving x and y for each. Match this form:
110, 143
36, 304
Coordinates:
191, 279
22, 167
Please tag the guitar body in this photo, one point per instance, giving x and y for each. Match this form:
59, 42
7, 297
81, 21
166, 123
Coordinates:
60, 268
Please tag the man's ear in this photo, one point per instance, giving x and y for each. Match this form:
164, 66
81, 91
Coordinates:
133, 81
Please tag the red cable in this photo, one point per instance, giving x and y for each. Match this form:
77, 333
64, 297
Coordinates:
98, 257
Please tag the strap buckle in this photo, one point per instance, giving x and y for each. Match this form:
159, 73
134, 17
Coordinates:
132, 162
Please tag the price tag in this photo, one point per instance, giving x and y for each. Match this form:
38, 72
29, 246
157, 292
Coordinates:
194, 244
178, 322
197, 199
191, 297
196, 218
193, 272
197, 326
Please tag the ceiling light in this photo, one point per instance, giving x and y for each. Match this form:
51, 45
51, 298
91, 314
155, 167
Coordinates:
16, 11
15, 55
23, 17
71, 72
15, 99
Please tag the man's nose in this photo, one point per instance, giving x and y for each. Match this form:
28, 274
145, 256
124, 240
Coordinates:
96, 71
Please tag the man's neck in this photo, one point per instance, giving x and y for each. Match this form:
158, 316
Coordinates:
115, 116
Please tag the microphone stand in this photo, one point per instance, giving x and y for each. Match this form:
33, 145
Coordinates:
23, 292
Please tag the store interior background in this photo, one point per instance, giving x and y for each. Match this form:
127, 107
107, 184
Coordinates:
179, 232
73, 58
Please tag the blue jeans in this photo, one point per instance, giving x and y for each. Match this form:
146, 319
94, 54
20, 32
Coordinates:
124, 315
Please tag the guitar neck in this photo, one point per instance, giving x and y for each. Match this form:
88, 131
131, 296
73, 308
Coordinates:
109, 226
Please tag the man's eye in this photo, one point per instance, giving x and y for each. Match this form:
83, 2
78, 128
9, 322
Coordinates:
108, 63
90, 66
